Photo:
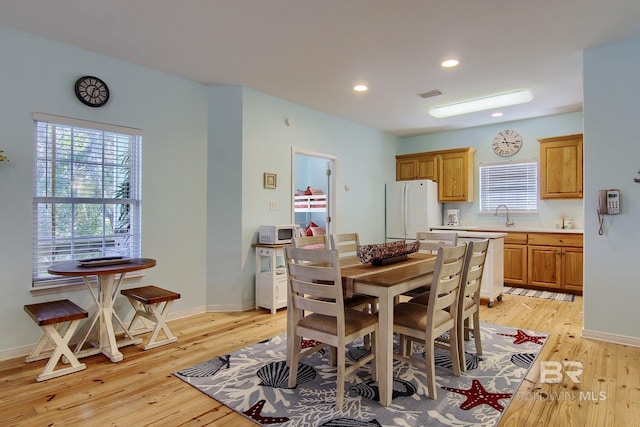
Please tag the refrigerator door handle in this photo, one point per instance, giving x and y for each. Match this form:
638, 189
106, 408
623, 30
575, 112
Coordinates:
404, 210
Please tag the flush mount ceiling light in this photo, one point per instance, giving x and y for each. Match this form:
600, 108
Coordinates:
450, 63
480, 104
360, 88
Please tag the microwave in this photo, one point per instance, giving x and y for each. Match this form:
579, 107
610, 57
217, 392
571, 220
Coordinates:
276, 234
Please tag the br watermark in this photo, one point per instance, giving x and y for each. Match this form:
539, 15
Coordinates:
553, 372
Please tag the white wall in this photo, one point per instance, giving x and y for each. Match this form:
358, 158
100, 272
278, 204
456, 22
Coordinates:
480, 138
612, 159
38, 75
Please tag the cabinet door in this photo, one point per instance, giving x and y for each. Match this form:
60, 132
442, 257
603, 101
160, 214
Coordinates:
572, 269
544, 266
406, 169
455, 181
561, 167
515, 264
428, 167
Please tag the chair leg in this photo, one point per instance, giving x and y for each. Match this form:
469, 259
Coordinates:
430, 368
454, 349
476, 332
292, 360
340, 378
462, 331
61, 342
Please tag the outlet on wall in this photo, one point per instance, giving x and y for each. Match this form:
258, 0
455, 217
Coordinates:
273, 205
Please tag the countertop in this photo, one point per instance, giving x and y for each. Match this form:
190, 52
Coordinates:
513, 229
479, 234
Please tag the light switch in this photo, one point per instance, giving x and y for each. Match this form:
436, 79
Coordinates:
273, 205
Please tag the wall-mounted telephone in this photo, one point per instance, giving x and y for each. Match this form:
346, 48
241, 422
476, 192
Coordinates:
608, 202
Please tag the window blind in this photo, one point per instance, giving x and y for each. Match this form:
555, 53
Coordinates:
87, 195
514, 184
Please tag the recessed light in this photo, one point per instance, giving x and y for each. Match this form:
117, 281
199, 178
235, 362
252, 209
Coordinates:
480, 104
450, 63
361, 88
498, 114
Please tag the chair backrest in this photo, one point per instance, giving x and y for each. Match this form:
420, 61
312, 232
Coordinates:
311, 242
473, 269
346, 243
447, 275
430, 241
315, 282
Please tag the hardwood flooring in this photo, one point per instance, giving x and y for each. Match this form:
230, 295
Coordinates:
141, 390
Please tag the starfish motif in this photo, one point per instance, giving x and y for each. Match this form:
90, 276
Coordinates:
255, 412
477, 395
522, 337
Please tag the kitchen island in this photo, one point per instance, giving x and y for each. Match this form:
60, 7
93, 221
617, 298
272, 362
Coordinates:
493, 274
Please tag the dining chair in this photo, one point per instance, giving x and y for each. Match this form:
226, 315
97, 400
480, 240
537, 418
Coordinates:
311, 242
469, 297
430, 242
317, 312
426, 323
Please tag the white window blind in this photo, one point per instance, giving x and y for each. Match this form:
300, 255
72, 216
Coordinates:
87, 192
514, 184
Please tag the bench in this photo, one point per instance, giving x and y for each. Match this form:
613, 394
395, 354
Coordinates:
51, 317
152, 304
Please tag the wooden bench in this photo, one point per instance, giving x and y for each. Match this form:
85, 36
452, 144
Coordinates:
148, 302
51, 317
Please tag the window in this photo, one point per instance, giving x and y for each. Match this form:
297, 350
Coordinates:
87, 192
514, 184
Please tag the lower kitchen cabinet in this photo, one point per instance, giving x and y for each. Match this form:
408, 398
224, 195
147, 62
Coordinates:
515, 259
555, 262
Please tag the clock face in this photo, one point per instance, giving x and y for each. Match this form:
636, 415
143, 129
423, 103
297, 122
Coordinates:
92, 91
507, 143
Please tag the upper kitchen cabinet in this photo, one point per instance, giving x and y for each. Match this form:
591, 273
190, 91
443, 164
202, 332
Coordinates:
455, 175
417, 166
561, 167
451, 169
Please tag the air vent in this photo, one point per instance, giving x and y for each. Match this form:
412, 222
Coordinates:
430, 93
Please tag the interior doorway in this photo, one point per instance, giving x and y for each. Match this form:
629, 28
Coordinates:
313, 183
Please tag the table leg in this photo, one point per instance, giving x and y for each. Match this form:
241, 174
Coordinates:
385, 332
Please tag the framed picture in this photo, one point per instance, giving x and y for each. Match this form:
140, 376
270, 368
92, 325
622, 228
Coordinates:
270, 180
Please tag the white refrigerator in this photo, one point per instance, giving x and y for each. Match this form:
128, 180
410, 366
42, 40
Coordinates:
411, 206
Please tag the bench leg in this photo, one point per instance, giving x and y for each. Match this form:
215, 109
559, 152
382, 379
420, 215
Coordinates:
160, 317
61, 341
139, 316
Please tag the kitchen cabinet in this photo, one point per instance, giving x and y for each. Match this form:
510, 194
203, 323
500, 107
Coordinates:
271, 277
555, 261
515, 259
451, 169
421, 166
455, 173
561, 167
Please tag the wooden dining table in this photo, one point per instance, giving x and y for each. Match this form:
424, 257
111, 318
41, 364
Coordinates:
108, 288
386, 282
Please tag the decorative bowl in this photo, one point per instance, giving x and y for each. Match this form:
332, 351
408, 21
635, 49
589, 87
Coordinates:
386, 253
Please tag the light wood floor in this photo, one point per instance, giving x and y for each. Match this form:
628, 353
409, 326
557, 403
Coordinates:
141, 389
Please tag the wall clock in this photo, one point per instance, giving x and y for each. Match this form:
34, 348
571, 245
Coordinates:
507, 143
92, 91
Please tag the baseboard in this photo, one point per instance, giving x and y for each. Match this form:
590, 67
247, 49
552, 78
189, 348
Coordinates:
611, 338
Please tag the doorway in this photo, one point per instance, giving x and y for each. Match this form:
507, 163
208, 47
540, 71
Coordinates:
313, 183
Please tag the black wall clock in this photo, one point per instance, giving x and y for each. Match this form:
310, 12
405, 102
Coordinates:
92, 91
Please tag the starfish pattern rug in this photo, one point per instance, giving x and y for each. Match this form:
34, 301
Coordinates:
253, 382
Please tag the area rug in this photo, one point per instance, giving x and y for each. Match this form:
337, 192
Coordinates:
558, 296
253, 382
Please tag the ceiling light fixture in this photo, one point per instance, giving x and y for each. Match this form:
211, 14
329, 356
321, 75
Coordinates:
360, 88
480, 104
498, 114
450, 63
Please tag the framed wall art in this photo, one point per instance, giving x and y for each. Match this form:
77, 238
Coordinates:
270, 180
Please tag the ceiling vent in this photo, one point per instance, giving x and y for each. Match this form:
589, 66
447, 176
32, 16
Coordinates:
430, 93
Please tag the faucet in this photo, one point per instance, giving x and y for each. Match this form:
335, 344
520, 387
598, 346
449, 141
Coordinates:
509, 221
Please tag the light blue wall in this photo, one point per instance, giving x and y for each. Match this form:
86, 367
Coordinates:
480, 138
612, 159
38, 75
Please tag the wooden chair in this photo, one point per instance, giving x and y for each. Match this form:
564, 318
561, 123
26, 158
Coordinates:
311, 242
51, 317
469, 300
317, 312
469, 297
153, 304
426, 323
430, 242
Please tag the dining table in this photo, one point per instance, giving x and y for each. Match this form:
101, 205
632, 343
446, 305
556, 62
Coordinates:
106, 270
387, 282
